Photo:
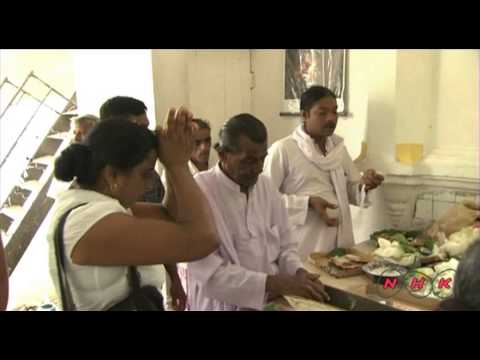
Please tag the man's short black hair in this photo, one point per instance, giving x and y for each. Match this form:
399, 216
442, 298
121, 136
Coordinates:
241, 124
312, 95
122, 106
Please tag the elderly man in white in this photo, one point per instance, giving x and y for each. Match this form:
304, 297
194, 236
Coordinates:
257, 260
317, 177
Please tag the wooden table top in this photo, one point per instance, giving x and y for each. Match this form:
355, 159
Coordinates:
362, 285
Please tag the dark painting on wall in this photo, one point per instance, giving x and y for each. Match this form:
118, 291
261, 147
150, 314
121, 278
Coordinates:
307, 67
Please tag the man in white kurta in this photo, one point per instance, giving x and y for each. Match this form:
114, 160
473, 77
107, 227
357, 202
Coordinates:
257, 259
312, 166
256, 241
298, 179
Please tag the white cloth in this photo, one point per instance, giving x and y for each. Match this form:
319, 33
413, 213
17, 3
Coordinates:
57, 187
255, 241
191, 166
299, 170
182, 268
92, 287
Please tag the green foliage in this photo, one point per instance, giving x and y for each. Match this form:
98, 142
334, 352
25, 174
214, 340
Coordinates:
429, 243
404, 238
337, 252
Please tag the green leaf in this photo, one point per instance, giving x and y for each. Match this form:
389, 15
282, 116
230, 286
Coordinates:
337, 252
405, 244
400, 238
412, 234
429, 243
387, 233
270, 307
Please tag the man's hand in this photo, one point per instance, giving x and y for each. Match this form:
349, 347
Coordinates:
302, 273
303, 284
314, 281
179, 298
371, 179
177, 294
320, 206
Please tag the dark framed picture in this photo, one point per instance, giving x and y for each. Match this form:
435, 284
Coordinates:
307, 67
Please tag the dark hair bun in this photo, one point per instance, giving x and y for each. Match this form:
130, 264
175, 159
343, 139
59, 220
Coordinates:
74, 161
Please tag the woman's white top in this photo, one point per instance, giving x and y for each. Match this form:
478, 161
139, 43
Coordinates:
92, 287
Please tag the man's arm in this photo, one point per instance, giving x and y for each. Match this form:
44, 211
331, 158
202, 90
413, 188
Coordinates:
354, 183
235, 285
172, 271
229, 283
292, 279
276, 169
303, 284
288, 260
171, 206
176, 290
170, 200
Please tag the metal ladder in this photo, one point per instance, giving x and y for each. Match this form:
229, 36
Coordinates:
27, 204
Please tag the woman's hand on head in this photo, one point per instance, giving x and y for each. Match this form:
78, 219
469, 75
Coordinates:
175, 141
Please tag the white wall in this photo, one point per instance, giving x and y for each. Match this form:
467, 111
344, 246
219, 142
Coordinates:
53, 66
214, 84
101, 74
416, 95
458, 99
169, 80
454, 137
373, 93
267, 94
219, 83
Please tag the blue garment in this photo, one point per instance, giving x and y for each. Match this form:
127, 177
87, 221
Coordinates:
157, 193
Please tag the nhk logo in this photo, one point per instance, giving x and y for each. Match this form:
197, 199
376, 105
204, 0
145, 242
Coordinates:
417, 283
